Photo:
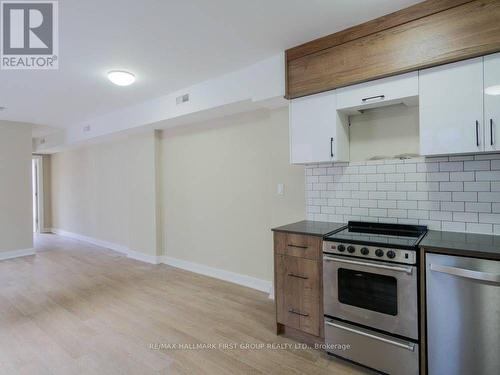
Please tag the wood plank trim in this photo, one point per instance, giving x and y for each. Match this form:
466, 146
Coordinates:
412, 13
408, 47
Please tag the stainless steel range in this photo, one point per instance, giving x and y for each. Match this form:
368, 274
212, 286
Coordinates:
371, 295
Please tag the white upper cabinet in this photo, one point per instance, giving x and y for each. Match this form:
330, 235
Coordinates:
492, 102
451, 108
317, 132
382, 92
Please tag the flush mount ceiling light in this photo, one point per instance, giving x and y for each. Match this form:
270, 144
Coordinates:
121, 77
492, 90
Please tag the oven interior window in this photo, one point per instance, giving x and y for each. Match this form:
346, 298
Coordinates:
368, 291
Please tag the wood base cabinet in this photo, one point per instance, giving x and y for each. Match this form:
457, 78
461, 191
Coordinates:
298, 283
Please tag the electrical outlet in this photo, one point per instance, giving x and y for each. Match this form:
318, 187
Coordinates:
281, 189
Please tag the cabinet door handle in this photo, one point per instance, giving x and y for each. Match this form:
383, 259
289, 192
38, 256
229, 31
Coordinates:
331, 147
491, 132
298, 276
380, 97
293, 311
298, 246
477, 133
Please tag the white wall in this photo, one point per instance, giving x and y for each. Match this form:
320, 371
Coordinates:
107, 192
16, 216
219, 183
203, 193
386, 131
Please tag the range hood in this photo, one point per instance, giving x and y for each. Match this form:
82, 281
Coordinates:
401, 89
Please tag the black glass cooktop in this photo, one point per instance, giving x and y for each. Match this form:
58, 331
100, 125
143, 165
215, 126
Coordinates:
389, 235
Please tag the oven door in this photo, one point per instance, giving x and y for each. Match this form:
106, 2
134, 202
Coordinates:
375, 294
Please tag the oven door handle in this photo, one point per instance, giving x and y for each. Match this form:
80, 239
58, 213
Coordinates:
408, 270
410, 346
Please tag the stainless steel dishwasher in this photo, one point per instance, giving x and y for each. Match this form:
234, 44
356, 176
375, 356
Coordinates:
463, 315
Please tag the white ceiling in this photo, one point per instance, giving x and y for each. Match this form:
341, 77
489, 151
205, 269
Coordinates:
168, 44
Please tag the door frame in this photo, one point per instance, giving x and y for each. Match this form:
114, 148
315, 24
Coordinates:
40, 196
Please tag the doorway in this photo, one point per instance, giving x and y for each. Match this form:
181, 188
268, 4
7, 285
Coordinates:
37, 184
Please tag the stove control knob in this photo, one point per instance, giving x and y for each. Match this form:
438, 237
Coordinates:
341, 248
365, 251
379, 252
391, 254
351, 249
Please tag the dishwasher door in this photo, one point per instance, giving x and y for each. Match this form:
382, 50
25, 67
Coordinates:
463, 315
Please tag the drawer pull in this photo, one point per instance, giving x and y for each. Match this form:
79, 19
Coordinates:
298, 276
379, 97
297, 312
298, 246
409, 346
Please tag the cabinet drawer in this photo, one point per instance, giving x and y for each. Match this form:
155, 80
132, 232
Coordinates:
298, 245
298, 292
378, 93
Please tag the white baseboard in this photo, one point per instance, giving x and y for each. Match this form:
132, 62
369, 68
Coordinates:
151, 259
94, 241
236, 278
4, 255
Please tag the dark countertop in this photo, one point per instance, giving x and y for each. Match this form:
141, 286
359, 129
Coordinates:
312, 228
462, 244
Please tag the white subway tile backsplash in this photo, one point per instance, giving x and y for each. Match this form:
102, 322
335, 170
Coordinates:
452, 206
418, 214
483, 165
395, 177
386, 186
439, 196
477, 186
406, 186
415, 177
456, 193
466, 217
488, 176
428, 186
397, 195
440, 215
428, 205
428, 167
495, 164
406, 168
375, 178
452, 166
368, 169
367, 203
387, 204
477, 207
403, 214
489, 197
469, 196
359, 194
377, 195
418, 195
407, 205
452, 226
386, 168
438, 176
377, 212
489, 218
451, 186
462, 176
479, 228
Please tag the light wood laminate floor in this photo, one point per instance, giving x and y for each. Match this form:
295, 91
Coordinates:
75, 308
